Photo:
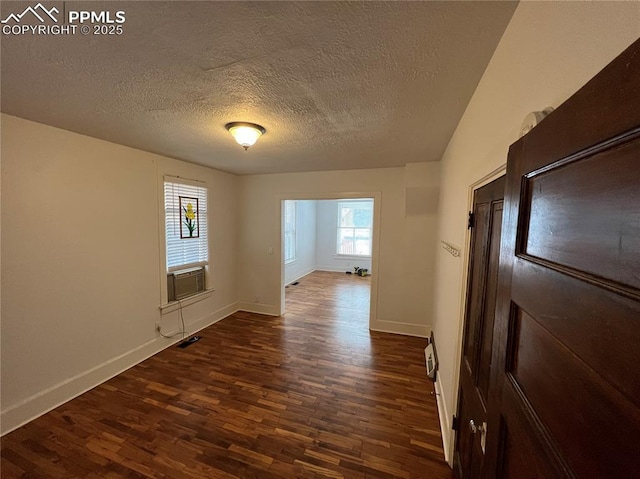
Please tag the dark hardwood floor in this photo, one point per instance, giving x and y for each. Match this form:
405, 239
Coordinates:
311, 394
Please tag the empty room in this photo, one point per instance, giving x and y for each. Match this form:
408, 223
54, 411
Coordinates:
319, 239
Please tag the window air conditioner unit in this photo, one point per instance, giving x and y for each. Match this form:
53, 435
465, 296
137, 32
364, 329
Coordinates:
185, 283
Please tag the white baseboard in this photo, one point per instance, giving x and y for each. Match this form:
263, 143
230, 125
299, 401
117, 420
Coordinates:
408, 329
333, 269
445, 423
52, 397
336, 269
268, 309
300, 276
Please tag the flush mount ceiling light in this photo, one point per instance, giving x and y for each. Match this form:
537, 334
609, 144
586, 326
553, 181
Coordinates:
246, 134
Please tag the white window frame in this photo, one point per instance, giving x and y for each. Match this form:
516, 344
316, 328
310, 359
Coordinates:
289, 229
340, 205
165, 306
198, 247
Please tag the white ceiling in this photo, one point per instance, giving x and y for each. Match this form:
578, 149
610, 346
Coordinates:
337, 85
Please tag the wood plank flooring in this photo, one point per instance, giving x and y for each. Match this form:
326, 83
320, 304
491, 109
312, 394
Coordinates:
311, 394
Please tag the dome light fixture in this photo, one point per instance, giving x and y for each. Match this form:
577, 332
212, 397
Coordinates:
246, 134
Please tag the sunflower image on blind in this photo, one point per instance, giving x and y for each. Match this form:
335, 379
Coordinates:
189, 220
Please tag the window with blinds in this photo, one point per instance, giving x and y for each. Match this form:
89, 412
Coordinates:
289, 231
186, 228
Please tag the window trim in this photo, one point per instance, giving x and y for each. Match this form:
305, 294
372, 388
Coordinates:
167, 307
340, 203
193, 250
162, 240
293, 231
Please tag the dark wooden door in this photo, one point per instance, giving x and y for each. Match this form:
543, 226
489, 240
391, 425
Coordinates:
565, 391
475, 366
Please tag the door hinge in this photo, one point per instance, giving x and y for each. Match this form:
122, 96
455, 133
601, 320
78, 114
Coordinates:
472, 220
454, 423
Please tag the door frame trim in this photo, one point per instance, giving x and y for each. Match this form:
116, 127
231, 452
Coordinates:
449, 446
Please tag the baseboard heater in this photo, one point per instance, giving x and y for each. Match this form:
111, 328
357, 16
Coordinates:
431, 359
184, 283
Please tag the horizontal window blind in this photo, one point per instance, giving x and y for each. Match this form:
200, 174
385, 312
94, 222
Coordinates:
185, 225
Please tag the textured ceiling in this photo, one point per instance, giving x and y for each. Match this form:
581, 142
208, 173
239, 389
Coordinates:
337, 85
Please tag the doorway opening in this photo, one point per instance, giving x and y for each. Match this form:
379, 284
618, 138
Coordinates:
329, 247
448, 434
482, 281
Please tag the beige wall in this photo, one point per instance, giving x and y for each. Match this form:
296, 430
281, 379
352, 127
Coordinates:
81, 265
404, 273
549, 50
